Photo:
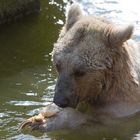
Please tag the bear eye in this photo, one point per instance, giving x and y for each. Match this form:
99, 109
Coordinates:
79, 73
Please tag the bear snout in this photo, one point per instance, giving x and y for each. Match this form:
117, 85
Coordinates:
61, 101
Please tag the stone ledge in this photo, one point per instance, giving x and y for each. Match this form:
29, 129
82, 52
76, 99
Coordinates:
14, 9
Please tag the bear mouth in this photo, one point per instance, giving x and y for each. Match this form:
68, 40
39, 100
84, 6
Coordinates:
63, 103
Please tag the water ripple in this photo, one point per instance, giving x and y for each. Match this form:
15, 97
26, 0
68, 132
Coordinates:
28, 103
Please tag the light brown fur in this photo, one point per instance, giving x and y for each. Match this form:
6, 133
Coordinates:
107, 58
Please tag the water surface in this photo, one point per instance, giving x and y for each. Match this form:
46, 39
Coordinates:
27, 77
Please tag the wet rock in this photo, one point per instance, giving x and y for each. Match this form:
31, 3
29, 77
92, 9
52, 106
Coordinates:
15, 9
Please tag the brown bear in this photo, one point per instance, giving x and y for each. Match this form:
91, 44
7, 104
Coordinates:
98, 64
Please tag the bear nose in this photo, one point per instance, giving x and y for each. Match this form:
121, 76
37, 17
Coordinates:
61, 101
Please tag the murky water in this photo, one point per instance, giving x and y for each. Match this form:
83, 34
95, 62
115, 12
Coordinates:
27, 76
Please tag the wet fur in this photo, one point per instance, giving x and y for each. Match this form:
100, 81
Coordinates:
109, 58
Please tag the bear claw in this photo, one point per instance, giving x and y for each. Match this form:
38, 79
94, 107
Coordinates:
36, 121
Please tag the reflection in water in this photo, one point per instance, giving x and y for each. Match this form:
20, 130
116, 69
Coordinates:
27, 77
28, 103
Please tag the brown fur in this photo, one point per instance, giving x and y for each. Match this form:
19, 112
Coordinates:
106, 58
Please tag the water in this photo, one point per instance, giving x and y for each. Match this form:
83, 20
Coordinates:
27, 77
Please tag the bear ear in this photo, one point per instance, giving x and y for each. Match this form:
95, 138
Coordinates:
118, 36
73, 15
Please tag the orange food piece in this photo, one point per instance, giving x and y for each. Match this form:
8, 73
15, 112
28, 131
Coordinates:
38, 119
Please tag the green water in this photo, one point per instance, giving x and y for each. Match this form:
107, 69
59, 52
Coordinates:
27, 77
26, 74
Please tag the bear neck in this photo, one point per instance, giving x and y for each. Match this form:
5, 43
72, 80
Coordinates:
122, 81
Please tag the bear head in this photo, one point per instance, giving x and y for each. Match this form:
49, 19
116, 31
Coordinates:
85, 56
